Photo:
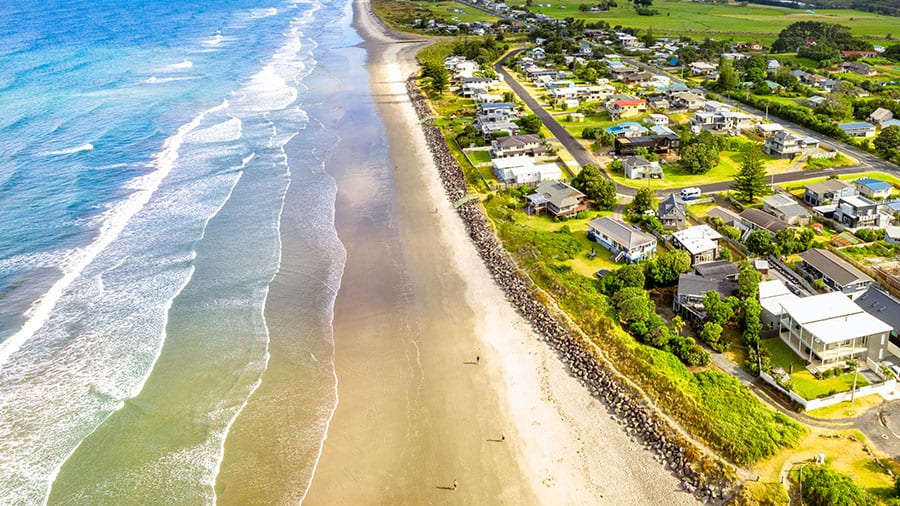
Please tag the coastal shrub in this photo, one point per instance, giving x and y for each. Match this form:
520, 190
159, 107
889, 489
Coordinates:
823, 486
540, 245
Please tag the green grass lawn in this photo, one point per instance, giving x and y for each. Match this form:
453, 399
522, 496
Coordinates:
479, 157
578, 227
755, 22
804, 383
701, 209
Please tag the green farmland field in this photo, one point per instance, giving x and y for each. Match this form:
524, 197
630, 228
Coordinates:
757, 22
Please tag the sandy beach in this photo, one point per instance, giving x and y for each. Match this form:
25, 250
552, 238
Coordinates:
416, 411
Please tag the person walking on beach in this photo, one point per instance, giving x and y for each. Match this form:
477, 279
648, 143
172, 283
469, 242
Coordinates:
477, 359
502, 437
455, 484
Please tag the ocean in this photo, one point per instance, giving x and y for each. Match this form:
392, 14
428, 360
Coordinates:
168, 257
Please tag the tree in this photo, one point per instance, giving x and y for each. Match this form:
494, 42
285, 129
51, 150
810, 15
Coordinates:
633, 304
887, 144
711, 334
667, 266
437, 74
750, 181
760, 242
728, 78
836, 105
699, 157
748, 281
717, 310
509, 96
643, 200
531, 123
752, 323
596, 186
607, 138
678, 324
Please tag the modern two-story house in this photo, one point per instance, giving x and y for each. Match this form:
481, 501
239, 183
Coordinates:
626, 242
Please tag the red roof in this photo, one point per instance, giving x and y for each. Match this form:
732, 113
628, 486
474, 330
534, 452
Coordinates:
863, 53
631, 102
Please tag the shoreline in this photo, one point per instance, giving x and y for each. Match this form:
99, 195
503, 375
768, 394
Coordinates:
517, 427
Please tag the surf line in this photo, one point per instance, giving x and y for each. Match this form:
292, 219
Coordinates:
117, 219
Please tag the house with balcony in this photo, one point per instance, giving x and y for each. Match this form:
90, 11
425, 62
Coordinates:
835, 272
722, 120
873, 188
660, 144
517, 145
855, 212
628, 243
688, 101
556, 198
826, 192
672, 212
702, 242
638, 167
702, 68
522, 170
692, 288
829, 329
783, 144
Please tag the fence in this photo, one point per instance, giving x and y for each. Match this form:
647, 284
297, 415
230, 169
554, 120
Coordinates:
811, 404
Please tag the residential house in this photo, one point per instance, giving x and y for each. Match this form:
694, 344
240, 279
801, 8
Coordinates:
767, 130
517, 145
715, 106
771, 296
702, 68
720, 269
722, 120
855, 212
636, 77
828, 84
886, 308
692, 288
815, 101
627, 129
658, 103
829, 329
880, 116
858, 129
638, 167
522, 169
826, 192
757, 219
748, 46
626, 40
688, 101
496, 118
786, 209
701, 241
892, 235
835, 272
657, 119
813, 79
672, 212
873, 188
556, 198
728, 217
861, 54
618, 71
783, 144
857, 68
626, 108
773, 65
628, 243
660, 144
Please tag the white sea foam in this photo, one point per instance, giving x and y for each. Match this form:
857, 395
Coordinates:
229, 130
263, 13
185, 64
163, 80
116, 219
69, 151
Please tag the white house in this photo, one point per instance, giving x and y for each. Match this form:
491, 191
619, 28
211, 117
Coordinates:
522, 169
702, 242
638, 167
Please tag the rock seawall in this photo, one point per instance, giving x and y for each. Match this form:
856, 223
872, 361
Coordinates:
625, 404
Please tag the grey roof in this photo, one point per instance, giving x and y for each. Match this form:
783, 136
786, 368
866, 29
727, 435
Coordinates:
517, 140
559, 194
692, 284
721, 269
881, 305
621, 233
672, 207
635, 161
727, 215
881, 114
763, 219
827, 186
834, 267
787, 205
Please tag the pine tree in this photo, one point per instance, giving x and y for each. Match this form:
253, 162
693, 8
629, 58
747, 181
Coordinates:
750, 181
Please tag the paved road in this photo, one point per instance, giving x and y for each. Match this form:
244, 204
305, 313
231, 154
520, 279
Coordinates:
578, 151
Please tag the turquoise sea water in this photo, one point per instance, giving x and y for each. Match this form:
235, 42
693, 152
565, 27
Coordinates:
146, 149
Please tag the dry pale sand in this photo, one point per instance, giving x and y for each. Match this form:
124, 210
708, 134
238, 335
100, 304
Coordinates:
415, 308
